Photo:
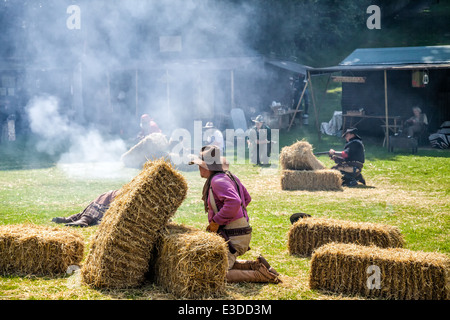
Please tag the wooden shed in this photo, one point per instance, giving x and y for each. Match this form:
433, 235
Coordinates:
381, 85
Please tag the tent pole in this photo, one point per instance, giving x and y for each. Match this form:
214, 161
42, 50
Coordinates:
298, 105
137, 97
386, 109
314, 104
232, 88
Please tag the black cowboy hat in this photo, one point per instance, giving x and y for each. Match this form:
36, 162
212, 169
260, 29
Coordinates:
351, 130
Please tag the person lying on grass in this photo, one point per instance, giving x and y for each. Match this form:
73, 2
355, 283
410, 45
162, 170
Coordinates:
92, 214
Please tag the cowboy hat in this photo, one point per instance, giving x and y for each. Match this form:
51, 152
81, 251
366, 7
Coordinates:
351, 130
210, 159
259, 119
208, 125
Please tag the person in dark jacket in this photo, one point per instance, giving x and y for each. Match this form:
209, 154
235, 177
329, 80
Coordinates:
260, 142
350, 161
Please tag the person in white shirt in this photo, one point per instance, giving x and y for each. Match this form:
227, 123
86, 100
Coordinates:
213, 136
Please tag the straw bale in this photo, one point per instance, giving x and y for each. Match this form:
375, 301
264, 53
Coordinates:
153, 146
306, 235
191, 264
39, 250
403, 274
323, 179
122, 246
299, 156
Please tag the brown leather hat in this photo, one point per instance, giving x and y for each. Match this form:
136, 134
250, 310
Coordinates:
210, 159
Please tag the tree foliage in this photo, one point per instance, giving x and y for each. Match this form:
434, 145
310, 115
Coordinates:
305, 28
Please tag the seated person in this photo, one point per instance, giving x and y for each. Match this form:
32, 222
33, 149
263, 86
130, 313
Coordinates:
350, 161
148, 126
92, 214
416, 123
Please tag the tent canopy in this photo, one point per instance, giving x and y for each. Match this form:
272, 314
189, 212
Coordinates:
398, 56
394, 58
290, 66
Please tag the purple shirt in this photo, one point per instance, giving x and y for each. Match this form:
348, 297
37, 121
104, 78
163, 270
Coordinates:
227, 199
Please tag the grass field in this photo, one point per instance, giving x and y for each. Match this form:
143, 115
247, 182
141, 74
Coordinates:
408, 191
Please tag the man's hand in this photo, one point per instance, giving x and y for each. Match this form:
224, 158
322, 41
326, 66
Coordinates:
212, 227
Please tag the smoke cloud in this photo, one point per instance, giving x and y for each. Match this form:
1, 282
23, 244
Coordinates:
74, 144
94, 67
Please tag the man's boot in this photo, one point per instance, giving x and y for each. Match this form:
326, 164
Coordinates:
261, 275
254, 265
84, 221
60, 220
262, 260
361, 179
69, 219
246, 265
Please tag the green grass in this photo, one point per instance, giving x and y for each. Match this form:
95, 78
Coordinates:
404, 190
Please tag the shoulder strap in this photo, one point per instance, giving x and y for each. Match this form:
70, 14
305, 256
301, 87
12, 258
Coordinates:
211, 195
212, 201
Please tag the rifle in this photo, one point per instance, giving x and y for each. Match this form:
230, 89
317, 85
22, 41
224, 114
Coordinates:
323, 152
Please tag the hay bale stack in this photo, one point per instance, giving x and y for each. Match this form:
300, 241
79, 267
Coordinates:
191, 264
299, 156
122, 245
153, 146
301, 170
308, 234
317, 180
380, 273
39, 250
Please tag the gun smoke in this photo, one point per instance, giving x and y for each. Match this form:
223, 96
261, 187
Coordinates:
89, 80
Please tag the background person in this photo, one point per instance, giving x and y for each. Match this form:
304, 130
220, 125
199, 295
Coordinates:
213, 136
260, 142
350, 161
148, 126
416, 123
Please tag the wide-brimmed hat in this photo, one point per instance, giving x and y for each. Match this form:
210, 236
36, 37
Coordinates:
259, 119
351, 130
146, 117
210, 159
208, 125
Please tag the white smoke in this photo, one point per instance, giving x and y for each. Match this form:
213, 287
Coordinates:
48, 124
109, 67
75, 144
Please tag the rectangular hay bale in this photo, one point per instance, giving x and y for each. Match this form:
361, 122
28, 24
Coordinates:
38, 250
191, 263
308, 234
122, 246
325, 180
374, 272
299, 156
